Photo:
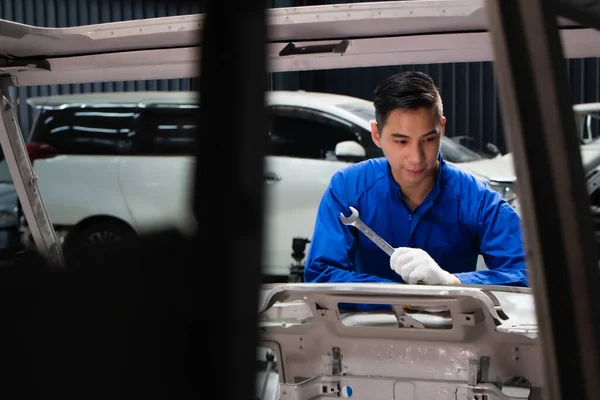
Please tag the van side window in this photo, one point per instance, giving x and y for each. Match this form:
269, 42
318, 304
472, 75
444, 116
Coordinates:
299, 133
168, 130
87, 130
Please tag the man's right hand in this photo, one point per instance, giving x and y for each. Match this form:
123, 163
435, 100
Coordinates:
415, 266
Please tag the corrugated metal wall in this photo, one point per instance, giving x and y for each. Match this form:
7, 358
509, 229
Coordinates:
468, 89
65, 13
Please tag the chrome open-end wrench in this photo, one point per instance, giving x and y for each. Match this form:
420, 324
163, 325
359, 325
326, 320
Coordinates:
354, 220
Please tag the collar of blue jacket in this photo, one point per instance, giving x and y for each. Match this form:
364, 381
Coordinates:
433, 195
459, 220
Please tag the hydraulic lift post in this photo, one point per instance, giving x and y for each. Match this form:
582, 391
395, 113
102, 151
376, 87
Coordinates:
25, 180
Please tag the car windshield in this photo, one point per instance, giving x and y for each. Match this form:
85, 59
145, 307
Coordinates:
456, 152
451, 150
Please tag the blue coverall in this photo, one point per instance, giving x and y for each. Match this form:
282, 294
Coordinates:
459, 219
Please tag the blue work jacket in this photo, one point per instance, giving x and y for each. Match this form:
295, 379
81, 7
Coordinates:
459, 219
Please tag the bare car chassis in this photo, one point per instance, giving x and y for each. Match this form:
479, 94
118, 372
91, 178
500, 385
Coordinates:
429, 342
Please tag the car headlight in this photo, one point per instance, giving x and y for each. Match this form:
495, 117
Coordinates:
506, 190
8, 218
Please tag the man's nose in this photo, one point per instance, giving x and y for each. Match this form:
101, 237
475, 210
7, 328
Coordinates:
416, 155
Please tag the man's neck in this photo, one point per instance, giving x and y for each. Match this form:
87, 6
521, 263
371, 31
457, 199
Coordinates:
414, 195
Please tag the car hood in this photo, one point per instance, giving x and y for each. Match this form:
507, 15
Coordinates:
498, 169
502, 169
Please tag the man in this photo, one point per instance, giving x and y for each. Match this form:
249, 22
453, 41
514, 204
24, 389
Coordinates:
438, 218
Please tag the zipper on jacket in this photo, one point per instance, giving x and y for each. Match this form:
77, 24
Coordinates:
409, 236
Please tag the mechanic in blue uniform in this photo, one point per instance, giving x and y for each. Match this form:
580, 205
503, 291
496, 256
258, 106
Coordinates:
437, 217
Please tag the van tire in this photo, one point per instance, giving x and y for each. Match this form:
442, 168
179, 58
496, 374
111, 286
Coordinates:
89, 240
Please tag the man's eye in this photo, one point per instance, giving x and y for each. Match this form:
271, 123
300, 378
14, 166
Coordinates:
401, 141
429, 139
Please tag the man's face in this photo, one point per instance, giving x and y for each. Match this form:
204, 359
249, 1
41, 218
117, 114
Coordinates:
410, 140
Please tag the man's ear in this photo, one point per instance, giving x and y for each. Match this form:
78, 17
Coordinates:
375, 134
443, 123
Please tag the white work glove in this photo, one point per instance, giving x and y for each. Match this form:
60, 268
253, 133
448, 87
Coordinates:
415, 266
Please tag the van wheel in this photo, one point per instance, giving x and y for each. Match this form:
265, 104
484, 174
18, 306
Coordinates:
89, 240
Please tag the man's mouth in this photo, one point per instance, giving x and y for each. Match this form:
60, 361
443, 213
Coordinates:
415, 171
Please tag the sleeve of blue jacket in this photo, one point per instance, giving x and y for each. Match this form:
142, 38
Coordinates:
498, 228
328, 256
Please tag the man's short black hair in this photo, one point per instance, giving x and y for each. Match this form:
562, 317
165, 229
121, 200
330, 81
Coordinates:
409, 90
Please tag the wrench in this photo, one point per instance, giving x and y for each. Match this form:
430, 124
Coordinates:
354, 220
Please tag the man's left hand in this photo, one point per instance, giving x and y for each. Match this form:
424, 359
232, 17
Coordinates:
416, 266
